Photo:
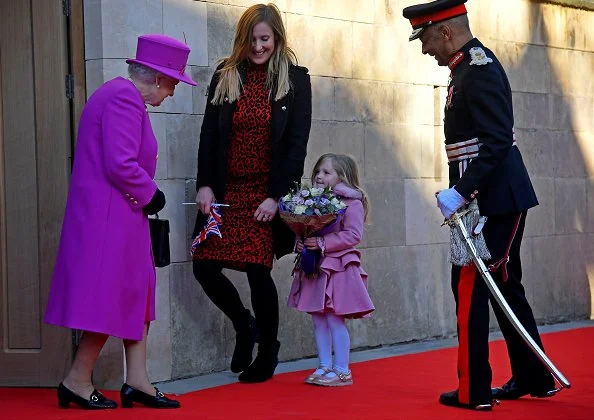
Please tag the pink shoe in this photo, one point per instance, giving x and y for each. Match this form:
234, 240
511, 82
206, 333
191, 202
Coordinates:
341, 379
311, 378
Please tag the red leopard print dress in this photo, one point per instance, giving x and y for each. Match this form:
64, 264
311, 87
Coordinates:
245, 240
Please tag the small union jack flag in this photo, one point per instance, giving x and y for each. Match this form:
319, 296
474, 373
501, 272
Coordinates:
211, 228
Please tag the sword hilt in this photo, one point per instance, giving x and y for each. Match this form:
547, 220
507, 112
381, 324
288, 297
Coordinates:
457, 215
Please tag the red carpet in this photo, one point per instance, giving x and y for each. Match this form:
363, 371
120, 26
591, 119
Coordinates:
402, 387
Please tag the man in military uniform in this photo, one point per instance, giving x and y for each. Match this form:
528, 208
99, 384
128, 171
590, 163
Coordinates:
484, 164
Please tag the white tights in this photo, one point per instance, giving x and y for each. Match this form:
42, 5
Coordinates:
330, 329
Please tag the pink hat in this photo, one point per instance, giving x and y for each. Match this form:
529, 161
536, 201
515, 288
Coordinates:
165, 54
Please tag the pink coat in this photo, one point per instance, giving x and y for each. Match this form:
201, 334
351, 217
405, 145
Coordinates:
341, 286
104, 278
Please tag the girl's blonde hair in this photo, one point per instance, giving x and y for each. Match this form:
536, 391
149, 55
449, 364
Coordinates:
229, 85
348, 173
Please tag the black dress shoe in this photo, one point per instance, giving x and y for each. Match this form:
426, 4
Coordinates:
96, 402
451, 399
512, 391
264, 365
245, 340
131, 395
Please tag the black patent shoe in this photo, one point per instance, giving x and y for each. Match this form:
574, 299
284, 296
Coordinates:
245, 340
131, 395
264, 365
512, 391
451, 399
96, 402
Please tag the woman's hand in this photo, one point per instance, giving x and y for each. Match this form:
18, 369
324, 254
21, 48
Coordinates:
311, 243
299, 246
204, 199
267, 210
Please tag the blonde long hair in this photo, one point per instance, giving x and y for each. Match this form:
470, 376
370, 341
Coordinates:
229, 85
348, 173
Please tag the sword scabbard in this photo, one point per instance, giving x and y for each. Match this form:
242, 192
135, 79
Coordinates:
456, 221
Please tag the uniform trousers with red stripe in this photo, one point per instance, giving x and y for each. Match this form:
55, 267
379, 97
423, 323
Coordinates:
502, 233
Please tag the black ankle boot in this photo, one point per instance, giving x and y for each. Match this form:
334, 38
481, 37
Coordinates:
245, 339
263, 367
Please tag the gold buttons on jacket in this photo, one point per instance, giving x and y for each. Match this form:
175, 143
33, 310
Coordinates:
132, 199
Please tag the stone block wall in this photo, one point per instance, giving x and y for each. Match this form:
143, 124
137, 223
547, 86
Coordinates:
378, 98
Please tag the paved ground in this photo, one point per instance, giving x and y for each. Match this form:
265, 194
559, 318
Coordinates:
183, 386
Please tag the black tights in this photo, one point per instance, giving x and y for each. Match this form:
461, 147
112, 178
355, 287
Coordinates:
223, 294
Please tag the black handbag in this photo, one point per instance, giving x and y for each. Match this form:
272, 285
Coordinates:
160, 241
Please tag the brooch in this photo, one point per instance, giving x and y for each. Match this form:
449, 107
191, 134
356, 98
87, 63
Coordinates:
479, 57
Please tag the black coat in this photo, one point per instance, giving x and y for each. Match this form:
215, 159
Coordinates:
289, 133
481, 107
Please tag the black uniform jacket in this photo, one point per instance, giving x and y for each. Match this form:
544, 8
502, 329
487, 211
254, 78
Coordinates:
481, 107
289, 133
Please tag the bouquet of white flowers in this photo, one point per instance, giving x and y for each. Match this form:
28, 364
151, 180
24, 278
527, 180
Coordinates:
308, 211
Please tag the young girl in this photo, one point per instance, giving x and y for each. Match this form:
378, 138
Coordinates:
340, 289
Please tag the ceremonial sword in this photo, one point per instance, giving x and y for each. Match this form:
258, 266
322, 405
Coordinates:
456, 221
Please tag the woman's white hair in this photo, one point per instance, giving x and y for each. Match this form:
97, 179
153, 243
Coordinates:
142, 73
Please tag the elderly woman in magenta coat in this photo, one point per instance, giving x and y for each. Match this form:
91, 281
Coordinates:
104, 278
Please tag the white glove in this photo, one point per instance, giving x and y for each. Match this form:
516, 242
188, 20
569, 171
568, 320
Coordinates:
449, 201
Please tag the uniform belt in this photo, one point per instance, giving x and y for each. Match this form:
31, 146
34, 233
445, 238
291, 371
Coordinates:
465, 149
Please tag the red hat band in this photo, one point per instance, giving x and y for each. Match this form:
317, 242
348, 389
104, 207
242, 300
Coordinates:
438, 16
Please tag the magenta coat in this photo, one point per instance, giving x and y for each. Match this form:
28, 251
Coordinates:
104, 278
341, 286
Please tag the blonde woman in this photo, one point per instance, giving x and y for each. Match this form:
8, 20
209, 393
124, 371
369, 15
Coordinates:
252, 149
